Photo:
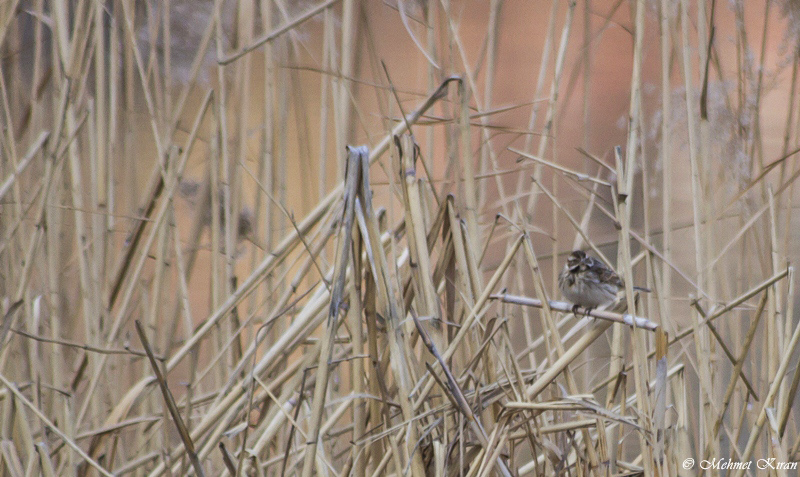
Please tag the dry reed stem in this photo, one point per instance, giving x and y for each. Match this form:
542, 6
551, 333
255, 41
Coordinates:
10, 386
626, 319
354, 160
170, 402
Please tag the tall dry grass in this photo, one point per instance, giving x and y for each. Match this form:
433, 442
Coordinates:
203, 271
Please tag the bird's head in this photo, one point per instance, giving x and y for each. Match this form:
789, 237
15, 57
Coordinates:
576, 258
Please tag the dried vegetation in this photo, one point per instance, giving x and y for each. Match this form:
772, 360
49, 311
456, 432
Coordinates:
391, 309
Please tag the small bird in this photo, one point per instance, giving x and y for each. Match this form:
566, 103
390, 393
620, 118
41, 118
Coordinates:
587, 282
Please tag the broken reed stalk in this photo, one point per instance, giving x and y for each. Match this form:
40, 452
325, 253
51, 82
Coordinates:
351, 189
392, 313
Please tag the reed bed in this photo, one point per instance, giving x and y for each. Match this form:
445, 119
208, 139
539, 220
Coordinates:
314, 238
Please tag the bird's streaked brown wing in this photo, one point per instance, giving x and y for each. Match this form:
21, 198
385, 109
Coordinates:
604, 274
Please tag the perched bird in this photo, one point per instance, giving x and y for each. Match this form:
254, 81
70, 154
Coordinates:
587, 282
